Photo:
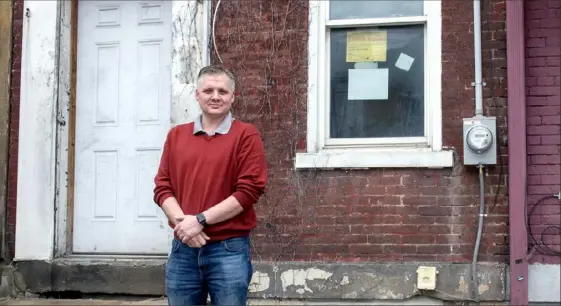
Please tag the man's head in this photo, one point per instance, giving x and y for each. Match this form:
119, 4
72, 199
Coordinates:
215, 90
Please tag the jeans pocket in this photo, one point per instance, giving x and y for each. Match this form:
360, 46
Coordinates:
237, 244
175, 244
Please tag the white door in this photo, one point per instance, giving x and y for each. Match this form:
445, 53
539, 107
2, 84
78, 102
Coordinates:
123, 116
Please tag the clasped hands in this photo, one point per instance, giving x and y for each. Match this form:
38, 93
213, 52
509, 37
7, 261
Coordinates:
190, 231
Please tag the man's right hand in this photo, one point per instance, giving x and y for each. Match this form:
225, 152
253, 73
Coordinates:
198, 241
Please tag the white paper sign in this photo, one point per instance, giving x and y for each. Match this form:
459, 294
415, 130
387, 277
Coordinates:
368, 84
404, 62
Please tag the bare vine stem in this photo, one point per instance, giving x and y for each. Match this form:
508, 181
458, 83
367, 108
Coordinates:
263, 44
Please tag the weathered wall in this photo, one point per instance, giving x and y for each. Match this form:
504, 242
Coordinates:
335, 282
5, 72
375, 215
14, 126
543, 111
543, 79
350, 215
364, 215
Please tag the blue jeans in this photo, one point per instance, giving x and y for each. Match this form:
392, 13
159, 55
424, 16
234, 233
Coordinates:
222, 270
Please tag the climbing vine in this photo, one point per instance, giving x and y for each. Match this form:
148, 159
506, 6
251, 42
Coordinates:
264, 43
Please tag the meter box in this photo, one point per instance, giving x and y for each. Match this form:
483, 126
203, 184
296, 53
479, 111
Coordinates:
480, 140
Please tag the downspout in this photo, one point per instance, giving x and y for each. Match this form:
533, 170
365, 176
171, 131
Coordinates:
478, 84
516, 65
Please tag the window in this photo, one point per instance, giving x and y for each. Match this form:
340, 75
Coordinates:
374, 85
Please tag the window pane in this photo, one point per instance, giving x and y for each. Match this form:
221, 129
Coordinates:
400, 113
357, 9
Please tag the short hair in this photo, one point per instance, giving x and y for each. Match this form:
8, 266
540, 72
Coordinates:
216, 70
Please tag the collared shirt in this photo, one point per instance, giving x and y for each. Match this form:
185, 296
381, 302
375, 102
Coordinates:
223, 128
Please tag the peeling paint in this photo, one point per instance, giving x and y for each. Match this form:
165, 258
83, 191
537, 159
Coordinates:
483, 288
344, 281
283, 280
37, 146
462, 285
300, 277
259, 282
188, 56
389, 294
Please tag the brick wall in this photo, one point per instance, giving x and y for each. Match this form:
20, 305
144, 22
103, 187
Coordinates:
543, 111
14, 127
380, 214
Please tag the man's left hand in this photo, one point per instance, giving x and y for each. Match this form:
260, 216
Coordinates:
188, 228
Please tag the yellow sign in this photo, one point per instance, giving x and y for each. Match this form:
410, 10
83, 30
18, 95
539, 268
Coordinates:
367, 46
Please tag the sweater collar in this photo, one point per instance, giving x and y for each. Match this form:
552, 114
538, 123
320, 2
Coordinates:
223, 128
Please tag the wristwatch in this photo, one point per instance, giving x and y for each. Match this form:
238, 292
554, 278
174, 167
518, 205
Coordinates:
201, 219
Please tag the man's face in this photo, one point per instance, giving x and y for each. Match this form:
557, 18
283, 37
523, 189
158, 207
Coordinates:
215, 95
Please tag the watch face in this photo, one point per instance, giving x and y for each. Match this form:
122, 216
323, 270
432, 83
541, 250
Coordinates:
201, 219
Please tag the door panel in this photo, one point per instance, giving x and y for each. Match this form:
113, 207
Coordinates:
123, 115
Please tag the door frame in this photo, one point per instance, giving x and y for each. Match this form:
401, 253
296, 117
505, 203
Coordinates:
44, 218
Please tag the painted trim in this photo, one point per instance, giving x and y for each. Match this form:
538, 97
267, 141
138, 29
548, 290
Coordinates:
320, 150
37, 132
517, 152
64, 198
190, 43
357, 158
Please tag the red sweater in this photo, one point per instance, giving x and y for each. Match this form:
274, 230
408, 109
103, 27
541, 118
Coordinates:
200, 171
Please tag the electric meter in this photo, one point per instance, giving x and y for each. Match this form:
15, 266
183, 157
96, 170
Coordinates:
479, 139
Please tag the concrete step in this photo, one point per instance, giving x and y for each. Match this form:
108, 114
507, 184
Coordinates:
36, 301
251, 302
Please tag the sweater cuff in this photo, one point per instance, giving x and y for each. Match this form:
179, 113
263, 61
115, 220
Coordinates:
164, 197
244, 200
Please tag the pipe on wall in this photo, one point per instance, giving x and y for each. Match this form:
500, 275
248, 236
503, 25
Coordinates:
477, 58
478, 84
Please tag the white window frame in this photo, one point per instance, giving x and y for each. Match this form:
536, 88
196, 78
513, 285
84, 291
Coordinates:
323, 152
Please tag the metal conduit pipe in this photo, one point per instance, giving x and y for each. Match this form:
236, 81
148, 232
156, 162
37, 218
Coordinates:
478, 84
474, 282
477, 58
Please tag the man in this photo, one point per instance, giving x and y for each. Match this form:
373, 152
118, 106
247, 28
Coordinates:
211, 173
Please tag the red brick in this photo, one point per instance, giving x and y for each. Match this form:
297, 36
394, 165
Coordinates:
543, 91
542, 71
545, 81
366, 249
537, 101
539, 32
418, 239
551, 179
551, 140
542, 170
385, 239
362, 215
544, 110
542, 130
545, 51
553, 4
17, 11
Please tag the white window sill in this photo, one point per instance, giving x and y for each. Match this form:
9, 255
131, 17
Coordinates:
398, 158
